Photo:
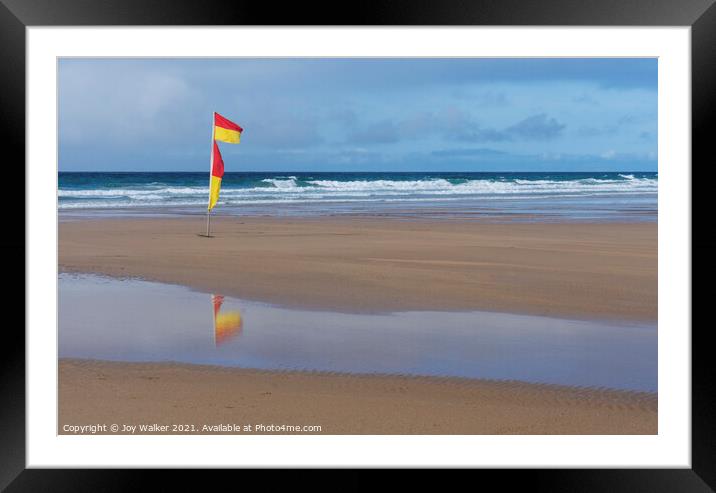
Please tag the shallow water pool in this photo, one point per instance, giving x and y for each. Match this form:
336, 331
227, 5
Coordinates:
134, 320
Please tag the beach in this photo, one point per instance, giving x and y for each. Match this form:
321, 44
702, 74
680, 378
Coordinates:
606, 270
139, 394
360, 264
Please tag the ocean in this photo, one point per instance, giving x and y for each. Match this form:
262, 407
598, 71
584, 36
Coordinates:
598, 196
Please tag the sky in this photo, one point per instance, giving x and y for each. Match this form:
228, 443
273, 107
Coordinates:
360, 114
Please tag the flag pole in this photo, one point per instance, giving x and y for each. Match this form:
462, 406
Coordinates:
211, 164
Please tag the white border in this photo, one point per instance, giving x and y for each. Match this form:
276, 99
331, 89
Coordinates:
671, 447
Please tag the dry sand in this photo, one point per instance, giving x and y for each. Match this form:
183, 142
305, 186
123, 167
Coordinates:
94, 392
358, 264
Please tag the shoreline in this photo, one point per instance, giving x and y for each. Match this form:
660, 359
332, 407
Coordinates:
358, 264
104, 392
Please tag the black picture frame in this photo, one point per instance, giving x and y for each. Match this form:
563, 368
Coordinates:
16, 15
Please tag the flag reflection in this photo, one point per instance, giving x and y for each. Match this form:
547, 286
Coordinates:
227, 325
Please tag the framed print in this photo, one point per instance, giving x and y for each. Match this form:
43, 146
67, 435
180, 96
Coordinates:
428, 236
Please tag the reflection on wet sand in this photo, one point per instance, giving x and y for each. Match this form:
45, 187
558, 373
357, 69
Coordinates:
158, 322
226, 325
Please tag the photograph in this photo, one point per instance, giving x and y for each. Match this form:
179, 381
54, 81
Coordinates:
357, 245
454, 235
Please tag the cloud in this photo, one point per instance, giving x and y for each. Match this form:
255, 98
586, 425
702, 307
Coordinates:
383, 132
595, 131
120, 106
625, 73
482, 152
610, 154
474, 133
455, 124
626, 120
537, 127
280, 131
346, 117
645, 136
487, 99
585, 99
414, 126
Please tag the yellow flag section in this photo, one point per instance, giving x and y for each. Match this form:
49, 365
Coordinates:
224, 131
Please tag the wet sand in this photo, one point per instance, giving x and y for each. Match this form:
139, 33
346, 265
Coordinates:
95, 392
358, 264
104, 318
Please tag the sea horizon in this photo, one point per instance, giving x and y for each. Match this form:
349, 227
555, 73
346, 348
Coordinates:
581, 195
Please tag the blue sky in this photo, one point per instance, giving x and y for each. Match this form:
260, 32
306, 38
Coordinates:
360, 114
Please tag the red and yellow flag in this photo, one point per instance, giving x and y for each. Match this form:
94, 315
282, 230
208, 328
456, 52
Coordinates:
225, 131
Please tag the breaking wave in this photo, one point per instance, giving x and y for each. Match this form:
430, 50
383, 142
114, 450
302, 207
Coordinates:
94, 192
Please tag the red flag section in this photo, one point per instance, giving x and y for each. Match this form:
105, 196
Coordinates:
222, 122
217, 164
